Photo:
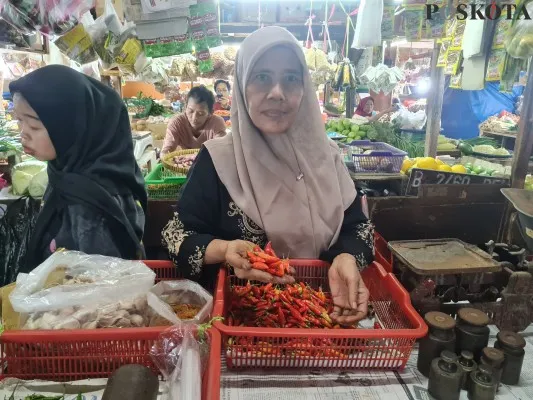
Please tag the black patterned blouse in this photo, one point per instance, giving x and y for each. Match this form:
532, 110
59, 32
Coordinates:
205, 211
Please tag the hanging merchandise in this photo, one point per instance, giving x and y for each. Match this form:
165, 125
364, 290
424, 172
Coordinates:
495, 65
387, 23
443, 52
168, 46
458, 32
344, 76
50, 17
76, 44
519, 39
502, 28
382, 78
456, 81
369, 17
453, 62
203, 25
101, 32
414, 22
435, 27
512, 67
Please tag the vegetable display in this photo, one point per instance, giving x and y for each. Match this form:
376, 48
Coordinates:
289, 306
268, 261
184, 160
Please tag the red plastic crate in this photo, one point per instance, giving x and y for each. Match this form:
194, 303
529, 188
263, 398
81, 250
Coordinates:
164, 270
80, 354
382, 254
387, 348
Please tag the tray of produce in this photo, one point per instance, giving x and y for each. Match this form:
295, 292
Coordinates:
489, 151
93, 311
180, 161
376, 157
269, 326
163, 186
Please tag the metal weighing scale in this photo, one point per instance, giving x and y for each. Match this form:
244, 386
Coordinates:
448, 274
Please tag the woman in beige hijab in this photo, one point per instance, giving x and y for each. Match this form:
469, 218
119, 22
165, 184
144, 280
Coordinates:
275, 178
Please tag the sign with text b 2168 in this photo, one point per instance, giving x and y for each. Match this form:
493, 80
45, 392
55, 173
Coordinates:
419, 177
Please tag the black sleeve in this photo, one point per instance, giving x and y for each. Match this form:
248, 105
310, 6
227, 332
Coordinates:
356, 237
188, 234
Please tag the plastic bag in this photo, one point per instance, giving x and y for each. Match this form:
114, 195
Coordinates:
409, 120
181, 355
50, 17
519, 39
77, 44
71, 278
368, 25
16, 227
166, 296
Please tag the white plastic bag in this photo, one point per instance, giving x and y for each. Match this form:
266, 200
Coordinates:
168, 293
368, 25
409, 120
181, 354
71, 278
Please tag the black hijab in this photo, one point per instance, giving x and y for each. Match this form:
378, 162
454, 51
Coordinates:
89, 127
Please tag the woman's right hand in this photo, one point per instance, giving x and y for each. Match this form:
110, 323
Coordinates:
236, 258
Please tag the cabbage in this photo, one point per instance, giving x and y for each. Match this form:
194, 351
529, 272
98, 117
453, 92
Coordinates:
30, 177
502, 152
39, 183
21, 182
31, 167
484, 149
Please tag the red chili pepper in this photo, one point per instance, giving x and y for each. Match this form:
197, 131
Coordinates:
260, 266
281, 317
269, 250
294, 312
267, 258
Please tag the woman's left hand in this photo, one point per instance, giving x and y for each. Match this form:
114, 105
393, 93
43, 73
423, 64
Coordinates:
350, 295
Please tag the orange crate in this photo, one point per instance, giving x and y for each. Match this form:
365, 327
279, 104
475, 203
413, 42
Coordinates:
81, 354
388, 348
382, 254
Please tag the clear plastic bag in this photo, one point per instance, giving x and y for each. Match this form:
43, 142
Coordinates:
167, 296
181, 355
71, 278
368, 26
519, 39
50, 17
76, 44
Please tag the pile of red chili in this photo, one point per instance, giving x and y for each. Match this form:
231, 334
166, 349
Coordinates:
287, 306
267, 260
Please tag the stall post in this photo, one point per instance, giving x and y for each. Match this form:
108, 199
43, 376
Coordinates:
434, 106
523, 149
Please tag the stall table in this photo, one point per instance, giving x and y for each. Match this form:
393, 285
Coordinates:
409, 384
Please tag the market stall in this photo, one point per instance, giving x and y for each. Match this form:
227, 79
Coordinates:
436, 204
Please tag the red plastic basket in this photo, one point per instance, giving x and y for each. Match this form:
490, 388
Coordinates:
80, 354
387, 348
382, 254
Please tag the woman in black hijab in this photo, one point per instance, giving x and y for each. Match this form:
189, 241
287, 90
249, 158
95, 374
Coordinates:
95, 199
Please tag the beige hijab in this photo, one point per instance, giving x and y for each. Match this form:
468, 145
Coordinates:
295, 185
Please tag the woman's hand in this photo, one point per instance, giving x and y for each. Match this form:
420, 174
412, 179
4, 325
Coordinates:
236, 257
350, 295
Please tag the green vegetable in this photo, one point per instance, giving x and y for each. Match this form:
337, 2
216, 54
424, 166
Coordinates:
465, 148
42, 397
